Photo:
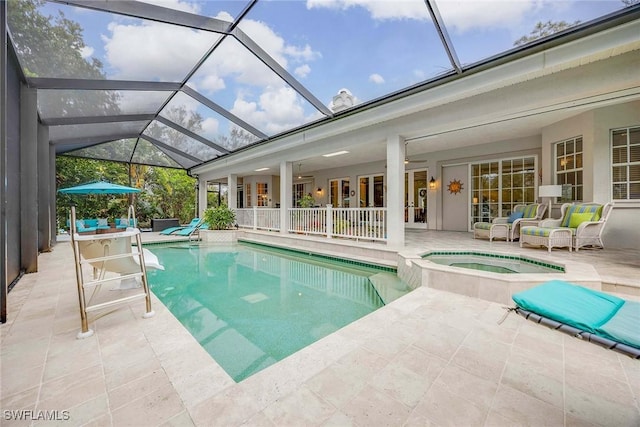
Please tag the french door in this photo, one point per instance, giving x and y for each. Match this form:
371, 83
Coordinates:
339, 195
370, 191
415, 198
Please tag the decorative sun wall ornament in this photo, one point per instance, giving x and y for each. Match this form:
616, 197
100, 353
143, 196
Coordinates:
455, 186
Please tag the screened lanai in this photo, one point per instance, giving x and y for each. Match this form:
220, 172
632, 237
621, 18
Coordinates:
179, 83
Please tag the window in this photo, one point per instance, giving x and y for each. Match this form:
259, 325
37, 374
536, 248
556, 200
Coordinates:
262, 191
248, 195
625, 163
499, 185
569, 169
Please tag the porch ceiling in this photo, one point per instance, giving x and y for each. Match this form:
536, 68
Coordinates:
220, 81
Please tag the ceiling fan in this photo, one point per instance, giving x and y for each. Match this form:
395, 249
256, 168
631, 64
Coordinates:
299, 174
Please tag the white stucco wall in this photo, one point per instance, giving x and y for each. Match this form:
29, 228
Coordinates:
595, 128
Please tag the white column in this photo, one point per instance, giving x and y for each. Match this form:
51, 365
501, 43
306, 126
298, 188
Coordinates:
232, 193
286, 194
395, 191
202, 196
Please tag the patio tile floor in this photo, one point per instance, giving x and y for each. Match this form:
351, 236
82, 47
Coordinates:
428, 358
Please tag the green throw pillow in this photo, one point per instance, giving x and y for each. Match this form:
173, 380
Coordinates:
578, 218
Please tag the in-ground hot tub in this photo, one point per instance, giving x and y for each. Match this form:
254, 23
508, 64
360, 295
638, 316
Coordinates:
489, 275
494, 263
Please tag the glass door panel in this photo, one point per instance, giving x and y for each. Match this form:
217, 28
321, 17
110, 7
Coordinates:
339, 192
416, 190
371, 191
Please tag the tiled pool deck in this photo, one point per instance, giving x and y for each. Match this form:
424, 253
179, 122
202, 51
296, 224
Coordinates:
430, 358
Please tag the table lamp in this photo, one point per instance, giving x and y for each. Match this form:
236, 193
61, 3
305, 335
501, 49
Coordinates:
549, 191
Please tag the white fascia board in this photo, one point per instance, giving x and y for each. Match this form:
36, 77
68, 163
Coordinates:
608, 43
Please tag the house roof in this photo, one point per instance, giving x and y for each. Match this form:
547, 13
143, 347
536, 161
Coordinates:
184, 84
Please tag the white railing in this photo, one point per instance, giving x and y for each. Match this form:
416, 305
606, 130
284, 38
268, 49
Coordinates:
258, 218
348, 223
244, 217
308, 220
360, 223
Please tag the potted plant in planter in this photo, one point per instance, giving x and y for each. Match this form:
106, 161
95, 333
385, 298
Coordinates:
220, 221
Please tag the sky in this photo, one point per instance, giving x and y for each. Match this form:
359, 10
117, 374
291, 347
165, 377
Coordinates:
370, 48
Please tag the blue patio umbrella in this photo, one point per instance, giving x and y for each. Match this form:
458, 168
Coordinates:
99, 187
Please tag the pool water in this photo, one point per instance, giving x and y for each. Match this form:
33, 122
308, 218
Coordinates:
250, 307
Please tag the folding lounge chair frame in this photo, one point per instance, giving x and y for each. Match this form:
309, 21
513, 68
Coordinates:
632, 352
588, 314
172, 230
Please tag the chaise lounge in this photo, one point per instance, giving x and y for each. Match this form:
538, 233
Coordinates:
584, 313
508, 228
580, 225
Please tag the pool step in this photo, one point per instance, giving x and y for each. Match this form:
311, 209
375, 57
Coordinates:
389, 286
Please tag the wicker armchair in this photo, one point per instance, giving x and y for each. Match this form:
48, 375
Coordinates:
560, 232
510, 231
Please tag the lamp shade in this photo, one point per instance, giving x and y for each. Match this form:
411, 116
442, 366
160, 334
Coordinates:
550, 191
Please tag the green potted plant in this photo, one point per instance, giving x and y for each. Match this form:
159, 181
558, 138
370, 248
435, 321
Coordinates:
220, 221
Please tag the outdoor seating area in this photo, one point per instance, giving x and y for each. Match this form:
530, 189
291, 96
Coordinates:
580, 225
508, 228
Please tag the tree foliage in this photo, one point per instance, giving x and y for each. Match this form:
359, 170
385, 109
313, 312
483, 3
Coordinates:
51, 46
544, 29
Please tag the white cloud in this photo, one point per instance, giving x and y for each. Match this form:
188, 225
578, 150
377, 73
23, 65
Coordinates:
378, 9
458, 15
464, 15
150, 51
86, 52
277, 110
210, 127
302, 71
376, 78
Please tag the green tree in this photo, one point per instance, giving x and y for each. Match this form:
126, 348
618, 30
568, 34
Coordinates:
544, 29
51, 46
172, 193
71, 171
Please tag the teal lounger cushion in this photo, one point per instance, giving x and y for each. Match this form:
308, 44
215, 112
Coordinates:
570, 304
596, 312
624, 327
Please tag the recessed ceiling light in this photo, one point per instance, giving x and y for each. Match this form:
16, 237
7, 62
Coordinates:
337, 153
261, 169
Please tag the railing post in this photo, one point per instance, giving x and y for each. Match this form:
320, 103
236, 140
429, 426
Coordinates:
255, 217
329, 221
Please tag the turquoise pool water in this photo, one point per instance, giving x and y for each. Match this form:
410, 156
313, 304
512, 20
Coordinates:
250, 307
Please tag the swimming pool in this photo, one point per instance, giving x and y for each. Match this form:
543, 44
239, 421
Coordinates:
250, 307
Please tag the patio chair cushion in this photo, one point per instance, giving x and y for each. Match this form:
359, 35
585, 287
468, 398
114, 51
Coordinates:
103, 222
595, 210
514, 216
530, 211
578, 218
482, 225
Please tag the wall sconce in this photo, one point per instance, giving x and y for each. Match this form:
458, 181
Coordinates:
432, 184
319, 190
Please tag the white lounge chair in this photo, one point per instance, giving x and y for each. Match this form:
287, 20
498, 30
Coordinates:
508, 228
580, 225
